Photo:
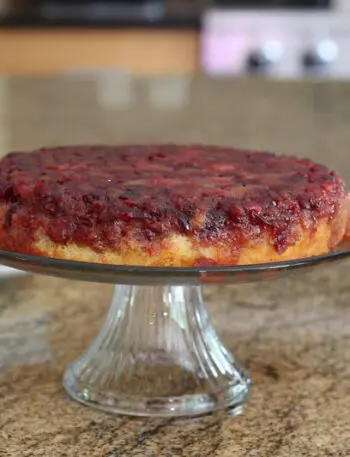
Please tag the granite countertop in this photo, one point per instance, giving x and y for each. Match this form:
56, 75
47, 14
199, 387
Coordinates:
292, 335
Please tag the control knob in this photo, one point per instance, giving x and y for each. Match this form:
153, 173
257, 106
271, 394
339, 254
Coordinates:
320, 56
263, 59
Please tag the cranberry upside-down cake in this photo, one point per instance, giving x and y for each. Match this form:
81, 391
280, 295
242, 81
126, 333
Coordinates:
168, 205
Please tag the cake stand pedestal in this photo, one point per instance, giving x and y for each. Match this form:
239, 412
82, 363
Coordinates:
158, 353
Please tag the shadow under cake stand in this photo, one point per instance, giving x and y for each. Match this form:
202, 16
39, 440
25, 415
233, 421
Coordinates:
158, 353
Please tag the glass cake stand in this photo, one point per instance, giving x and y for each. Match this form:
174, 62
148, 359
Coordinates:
157, 353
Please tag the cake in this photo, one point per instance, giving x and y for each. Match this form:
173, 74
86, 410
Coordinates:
168, 205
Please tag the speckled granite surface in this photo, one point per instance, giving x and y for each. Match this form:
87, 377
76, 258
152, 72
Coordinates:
292, 335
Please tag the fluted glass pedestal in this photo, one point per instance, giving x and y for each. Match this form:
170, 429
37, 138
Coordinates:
157, 355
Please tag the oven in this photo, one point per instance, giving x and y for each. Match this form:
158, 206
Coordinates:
277, 38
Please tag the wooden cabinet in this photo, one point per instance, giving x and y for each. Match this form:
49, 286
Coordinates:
141, 51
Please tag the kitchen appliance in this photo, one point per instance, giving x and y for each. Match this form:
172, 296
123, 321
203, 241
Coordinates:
288, 42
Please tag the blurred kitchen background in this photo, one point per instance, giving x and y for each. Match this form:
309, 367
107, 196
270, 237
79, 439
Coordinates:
273, 38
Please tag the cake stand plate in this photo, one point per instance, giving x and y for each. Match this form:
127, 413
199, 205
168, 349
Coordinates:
157, 353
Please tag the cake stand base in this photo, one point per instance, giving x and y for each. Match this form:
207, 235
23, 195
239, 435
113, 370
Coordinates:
157, 355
